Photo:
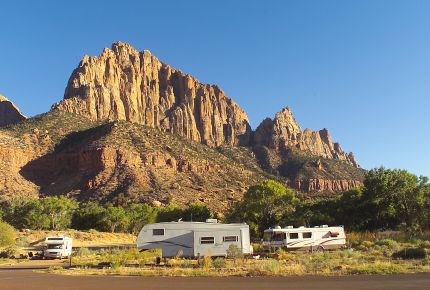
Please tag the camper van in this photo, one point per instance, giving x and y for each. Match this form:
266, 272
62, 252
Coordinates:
317, 238
58, 247
194, 239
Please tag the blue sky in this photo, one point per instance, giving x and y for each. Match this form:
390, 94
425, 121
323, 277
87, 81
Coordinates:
359, 68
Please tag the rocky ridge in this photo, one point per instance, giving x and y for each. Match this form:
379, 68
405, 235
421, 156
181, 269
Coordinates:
124, 84
283, 133
9, 113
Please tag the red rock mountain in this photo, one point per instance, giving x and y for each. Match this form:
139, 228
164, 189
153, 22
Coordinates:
9, 113
124, 84
133, 128
283, 133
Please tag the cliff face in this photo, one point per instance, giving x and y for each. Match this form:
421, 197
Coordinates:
310, 160
124, 84
284, 133
9, 113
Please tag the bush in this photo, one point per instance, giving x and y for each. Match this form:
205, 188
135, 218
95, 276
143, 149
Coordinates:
234, 252
82, 252
219, 263
411, 253
7, 236
9, 253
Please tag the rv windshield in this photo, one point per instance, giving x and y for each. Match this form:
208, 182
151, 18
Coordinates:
55, 246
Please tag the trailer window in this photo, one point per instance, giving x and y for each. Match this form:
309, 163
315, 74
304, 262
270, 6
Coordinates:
307, 235
294, 236
207, 240
228, 239
158, 232
278, 237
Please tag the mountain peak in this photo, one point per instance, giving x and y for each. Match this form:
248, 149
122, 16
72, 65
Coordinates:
124, 84
9, 113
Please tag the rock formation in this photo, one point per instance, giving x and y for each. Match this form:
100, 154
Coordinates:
283, 133
9, 113
124, 84
109, 140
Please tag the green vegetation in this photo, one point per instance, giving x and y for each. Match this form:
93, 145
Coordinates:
7, 235
264, 205
60, 213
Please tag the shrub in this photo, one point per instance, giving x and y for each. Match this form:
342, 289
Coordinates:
206, 262
219, 263
7, 236
411, 253
282, 255
9, 252
392, 244
234, 252
83, 252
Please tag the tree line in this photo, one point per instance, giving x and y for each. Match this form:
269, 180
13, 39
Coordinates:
388, 199
59, 213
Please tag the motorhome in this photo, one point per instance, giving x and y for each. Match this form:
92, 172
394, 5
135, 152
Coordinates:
58, 247
302, 238
194, 239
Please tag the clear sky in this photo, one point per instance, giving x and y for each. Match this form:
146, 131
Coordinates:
359, 68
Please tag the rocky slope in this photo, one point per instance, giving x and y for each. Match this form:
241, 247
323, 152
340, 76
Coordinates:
9, 113
120, 162
124, 84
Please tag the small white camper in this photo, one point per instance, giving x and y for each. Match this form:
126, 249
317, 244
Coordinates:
58, 247
315, 239
194, 239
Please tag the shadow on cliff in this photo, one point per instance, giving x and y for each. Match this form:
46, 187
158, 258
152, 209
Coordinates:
71, 164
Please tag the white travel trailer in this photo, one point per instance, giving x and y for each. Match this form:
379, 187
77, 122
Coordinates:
58, 247
194, 239
317, 238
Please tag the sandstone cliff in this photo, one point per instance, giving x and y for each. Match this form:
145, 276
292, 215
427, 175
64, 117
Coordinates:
9, 113
283, 133
309, 160
124, 84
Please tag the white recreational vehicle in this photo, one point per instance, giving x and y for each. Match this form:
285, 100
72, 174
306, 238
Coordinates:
58, 247
194, 239
315, 239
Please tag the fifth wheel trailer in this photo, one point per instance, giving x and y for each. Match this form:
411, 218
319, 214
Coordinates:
194, 239
303, 238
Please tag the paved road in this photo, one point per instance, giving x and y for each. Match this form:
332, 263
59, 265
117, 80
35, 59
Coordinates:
25, 278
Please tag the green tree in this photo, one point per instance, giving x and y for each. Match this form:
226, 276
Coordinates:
170, 213
139, 215
26, 214
7, 235
198, 212
89, 215
265, 205
116, 218
59, 210
393, 197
